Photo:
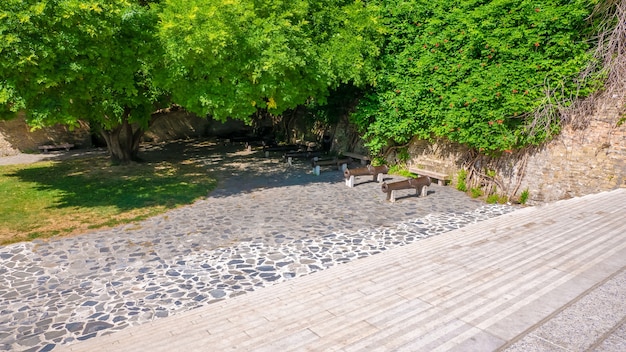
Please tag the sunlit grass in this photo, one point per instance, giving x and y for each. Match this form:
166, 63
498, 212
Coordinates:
69, 197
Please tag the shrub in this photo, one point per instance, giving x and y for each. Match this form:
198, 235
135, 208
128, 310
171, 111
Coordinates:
476, 192
523, 198
476, 72
493, 199
401, 171
460, 181
378, 161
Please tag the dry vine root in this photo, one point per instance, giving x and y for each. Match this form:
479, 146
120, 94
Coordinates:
475, 164
611, 50
609, 61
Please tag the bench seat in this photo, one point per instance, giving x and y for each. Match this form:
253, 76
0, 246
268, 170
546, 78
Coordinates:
46, 148
341, 164
440, 177
364, 158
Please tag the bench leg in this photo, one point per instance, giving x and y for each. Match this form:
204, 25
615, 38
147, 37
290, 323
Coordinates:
290, 161
350, 181
424, 191
267, 154
380, 178
441, 182
363, 162
391, 196
316, 170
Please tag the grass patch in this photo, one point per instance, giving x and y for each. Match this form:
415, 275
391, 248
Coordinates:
492, 199
495, 198
47, 199
401, 171
476, 192
460, 180
524, 196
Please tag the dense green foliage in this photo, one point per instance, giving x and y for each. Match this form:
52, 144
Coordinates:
64, 60
475, 72
230, 58
114, 62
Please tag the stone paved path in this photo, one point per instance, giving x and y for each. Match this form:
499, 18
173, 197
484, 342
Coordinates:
548, 278
266, 223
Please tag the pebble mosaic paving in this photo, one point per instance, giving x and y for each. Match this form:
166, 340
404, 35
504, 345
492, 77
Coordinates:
265, 223
50, 297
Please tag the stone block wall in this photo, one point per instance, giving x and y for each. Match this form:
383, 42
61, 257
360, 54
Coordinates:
582, 161
440, 156
16, 136
6, 149
345, 138
178, 124
575, 163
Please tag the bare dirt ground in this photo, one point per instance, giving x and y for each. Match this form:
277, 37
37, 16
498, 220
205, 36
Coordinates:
175, 150
23, 158
172, 150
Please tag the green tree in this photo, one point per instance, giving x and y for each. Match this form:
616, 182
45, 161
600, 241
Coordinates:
230, 58
104, 61
484, 73
93, 60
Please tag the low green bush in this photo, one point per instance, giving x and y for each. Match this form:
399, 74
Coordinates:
476, 192
460, 180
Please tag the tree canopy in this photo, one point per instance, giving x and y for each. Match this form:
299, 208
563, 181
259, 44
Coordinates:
65, 60
114, 62
483, 73
229, 58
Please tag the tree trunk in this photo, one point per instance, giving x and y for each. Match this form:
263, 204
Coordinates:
122, 141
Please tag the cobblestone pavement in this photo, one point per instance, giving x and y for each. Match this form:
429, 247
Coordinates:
265, 223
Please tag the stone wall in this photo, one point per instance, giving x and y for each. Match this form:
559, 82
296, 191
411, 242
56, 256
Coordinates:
16, 136
580, 162
177, 124
576, 163
6, 149
181, 124
345, 138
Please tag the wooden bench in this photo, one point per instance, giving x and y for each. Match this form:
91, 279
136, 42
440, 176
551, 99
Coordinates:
340, 164
420, 185
288, 157
440, 177
47, 148
283, 148
377, 172
280, 148
363, 158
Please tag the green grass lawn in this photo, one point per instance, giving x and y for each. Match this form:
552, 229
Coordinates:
70, 197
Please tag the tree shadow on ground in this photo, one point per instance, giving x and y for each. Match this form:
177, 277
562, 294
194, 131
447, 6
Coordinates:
172, 174
239, 170
91, 183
